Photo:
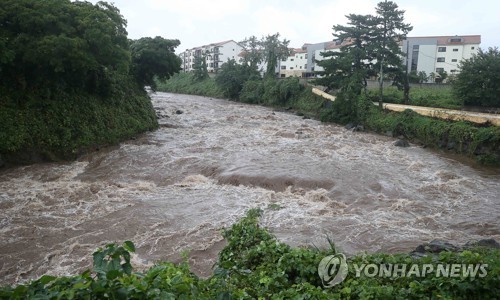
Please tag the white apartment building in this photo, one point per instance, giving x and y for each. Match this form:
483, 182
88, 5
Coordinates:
295, 64
433, 54
328, 47
216, 55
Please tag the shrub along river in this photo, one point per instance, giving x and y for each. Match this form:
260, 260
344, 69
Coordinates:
211, 160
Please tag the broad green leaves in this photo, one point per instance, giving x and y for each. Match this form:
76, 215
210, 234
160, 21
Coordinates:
154, 57
61, 44
255, 265
477, 84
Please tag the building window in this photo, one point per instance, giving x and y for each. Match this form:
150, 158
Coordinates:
455, 49
455, 40
211, 65
454, 60
283, 67
439, 70
440, 59
306, 56
472, 48
291, 59
305, 66
416, 47
291, 68
442, 49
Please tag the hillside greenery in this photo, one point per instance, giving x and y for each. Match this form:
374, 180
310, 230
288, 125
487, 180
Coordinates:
70, 80
255, 265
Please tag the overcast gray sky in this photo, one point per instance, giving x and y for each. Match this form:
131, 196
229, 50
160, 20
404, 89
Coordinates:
200, 22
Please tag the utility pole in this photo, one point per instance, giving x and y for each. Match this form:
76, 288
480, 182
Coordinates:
406, 88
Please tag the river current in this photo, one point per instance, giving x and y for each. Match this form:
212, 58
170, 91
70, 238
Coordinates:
174, 190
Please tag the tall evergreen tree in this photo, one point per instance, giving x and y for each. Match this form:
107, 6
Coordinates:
349, 69
389, 31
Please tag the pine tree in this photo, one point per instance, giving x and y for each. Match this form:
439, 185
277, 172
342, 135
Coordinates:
389, 31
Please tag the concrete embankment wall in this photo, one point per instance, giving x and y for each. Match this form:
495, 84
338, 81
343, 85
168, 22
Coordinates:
441, 113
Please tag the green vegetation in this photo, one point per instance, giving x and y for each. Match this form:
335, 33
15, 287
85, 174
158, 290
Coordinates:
269, 50
435, 96
154, 58
479, 142
255, 265
467, 139
477, 83
369, 48
70, 79
184, 83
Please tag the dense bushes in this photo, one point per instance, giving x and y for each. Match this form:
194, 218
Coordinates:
66, 124
185, 83
477, 82
71, 80
254, 265
461, 137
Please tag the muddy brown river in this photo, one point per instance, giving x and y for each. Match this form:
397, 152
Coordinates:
174, 189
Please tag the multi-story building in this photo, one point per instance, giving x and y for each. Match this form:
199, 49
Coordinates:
216, 54
295, 64
431, 54
434, 54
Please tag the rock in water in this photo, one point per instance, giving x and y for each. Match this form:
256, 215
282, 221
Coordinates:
401, 143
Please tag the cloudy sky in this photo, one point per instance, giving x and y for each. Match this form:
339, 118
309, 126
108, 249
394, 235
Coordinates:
200, 22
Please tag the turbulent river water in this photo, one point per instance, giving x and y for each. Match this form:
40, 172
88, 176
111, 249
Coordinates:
174, 189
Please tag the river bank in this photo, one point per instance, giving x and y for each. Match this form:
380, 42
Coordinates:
211, 160
479, 142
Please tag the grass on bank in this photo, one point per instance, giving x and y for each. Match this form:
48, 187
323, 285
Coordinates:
255, 265
436, 96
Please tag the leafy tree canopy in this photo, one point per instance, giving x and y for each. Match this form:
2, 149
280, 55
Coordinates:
478, 80
268, 50
232, 76
154, 57
59, 43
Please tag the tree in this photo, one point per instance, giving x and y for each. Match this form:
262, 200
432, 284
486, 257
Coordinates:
61, 44
432, 76
200, 71
274, 50
349, 69
232, 76
269, 50
389, 31
441, 76
479, 77
254, 53
422, 77
154, 58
